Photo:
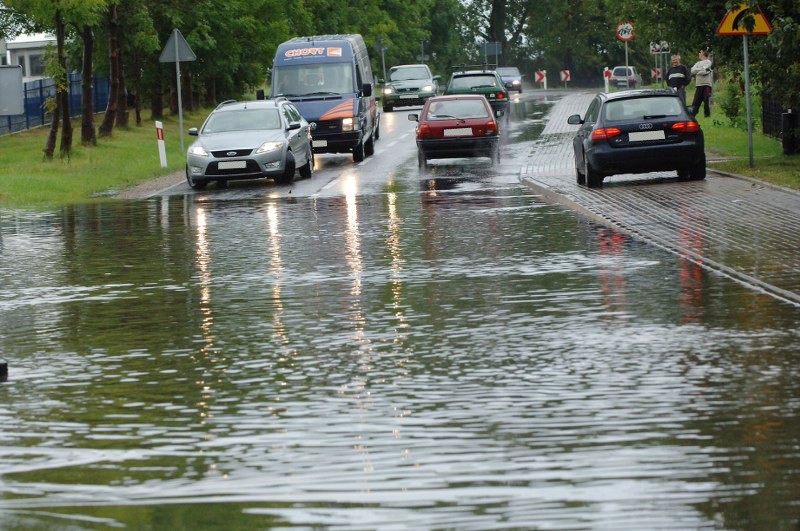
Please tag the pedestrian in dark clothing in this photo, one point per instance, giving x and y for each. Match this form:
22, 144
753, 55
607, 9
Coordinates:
678, 77
703, 79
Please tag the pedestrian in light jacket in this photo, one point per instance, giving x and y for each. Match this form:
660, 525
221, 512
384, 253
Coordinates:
703, 78
679, 77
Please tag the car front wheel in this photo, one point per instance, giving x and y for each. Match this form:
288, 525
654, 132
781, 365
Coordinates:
307, 170
288, 171
195, 185
358, 152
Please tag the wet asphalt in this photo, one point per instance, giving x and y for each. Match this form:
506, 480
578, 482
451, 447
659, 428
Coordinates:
735, 226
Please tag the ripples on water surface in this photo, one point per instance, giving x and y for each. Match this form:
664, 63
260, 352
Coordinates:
417, 359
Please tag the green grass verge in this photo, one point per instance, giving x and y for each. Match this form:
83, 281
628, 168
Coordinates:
128, 157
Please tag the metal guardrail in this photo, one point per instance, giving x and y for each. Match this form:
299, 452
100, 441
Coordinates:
37, 92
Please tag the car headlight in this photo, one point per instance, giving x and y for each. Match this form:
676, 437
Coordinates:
427, 88
198, 150
269, 146
348, 124
388, 90
515, 82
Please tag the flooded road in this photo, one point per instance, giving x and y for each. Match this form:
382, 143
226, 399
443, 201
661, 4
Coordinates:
378, 349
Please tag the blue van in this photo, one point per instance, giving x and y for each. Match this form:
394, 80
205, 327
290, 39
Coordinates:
329, 79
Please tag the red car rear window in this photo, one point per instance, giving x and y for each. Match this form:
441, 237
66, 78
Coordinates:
456, 109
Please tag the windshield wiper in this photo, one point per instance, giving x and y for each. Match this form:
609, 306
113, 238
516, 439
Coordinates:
445, 116
322, 93
483, 86
653, 116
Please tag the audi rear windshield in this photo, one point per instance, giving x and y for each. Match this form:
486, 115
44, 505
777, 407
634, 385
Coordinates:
642, 108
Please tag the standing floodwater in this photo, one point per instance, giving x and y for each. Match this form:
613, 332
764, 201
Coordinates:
446, 353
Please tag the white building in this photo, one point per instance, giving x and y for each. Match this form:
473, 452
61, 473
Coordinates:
28, 51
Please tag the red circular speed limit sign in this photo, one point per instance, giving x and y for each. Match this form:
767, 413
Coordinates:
625, 31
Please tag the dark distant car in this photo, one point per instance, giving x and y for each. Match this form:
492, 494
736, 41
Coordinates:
484, 81
637, 131
512, 77
625, 77
408, 85
457, 126
250, 140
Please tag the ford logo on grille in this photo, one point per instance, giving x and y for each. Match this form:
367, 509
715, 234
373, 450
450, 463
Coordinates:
233, 153
645, 126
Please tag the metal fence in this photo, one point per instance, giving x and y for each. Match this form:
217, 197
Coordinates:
37, 92
771, 111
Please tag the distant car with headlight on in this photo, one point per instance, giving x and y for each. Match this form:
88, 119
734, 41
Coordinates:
511, 76
637, 131
250, 140
408, 85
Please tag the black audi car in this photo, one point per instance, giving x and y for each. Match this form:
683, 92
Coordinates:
637, 131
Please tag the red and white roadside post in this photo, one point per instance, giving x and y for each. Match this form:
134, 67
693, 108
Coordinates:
541, 78
565, 77
162, 151
606, 76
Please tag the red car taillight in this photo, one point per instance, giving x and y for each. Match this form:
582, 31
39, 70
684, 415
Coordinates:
424, 131
491, 128
606, 133
686, 127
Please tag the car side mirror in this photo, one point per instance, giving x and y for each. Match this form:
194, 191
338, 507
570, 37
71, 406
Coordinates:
437, 78
575, 119
413, 117
499, 113
192, 131
312, 125
366, 90
260, 94
381, 82
293, 126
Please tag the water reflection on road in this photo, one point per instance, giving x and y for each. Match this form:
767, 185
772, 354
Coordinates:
446, 354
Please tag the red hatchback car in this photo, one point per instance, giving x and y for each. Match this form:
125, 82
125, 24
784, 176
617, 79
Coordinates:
457, 126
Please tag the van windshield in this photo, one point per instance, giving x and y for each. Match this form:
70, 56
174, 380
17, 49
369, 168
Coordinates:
305, 80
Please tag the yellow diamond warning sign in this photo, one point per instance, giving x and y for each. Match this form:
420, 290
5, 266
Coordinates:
734, 22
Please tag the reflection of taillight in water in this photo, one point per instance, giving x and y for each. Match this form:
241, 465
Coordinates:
690, 274
611, 243
424, 131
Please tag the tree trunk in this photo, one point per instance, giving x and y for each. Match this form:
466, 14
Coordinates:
156, 97
88, 137
50, 147
123, 116
62, 88
112, 23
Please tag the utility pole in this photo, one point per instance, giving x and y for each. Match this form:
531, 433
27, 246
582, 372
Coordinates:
383, 55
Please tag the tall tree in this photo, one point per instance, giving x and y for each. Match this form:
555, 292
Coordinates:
114, 61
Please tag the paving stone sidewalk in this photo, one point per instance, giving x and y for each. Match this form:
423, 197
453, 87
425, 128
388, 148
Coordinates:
736, 226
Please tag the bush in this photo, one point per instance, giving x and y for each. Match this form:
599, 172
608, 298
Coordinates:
729, 95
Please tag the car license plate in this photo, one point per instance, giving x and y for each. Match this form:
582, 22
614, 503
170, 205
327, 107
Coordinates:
319, 143
641, 136
408, 96
232, 164
459, 131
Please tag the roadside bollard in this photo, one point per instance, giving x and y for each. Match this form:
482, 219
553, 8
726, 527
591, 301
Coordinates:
3, 371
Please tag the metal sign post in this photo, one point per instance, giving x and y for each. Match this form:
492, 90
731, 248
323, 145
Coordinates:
744, 21
626, 32
177, 49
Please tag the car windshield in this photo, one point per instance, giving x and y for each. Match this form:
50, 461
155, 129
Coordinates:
620, 71
474, 81
412, 72
509, 71
459, 109
642, 108
242, 120
305, 80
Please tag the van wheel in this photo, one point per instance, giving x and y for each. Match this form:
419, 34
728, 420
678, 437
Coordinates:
377, 133
288, 172
369, 147
593, 178
307, 170
358, 152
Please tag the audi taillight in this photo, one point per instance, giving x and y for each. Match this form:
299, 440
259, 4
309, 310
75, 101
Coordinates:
606, 133
424, 131
686, 127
